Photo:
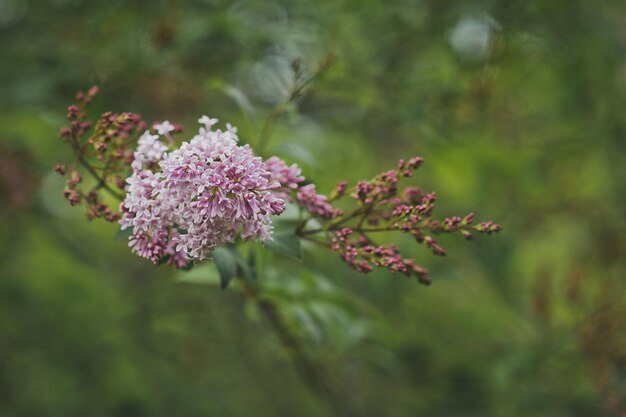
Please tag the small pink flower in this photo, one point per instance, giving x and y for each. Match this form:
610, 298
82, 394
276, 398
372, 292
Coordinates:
164, 127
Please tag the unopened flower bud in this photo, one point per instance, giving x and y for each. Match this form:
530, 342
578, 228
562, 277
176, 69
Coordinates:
415, 162
71, 196
65, 133
60, 169
340, 188
72, 112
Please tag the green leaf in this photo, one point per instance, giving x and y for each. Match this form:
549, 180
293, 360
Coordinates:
123, 234
227, 260
244, 269
205, 274
311, 327
285, 243
242, 101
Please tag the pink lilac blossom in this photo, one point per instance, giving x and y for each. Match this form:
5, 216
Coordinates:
184, 203
316, 204
149, 150
287, 176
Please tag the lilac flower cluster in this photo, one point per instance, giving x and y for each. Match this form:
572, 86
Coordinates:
184, 203
289, 177
316, 204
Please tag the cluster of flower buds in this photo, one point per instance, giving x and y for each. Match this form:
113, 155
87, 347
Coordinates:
104, 150
361, 254
383, 207
316, 204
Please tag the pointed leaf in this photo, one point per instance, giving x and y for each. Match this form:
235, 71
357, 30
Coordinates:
205, 274
242, 101
227, 264
285, 243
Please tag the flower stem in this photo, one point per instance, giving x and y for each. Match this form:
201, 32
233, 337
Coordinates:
101, 181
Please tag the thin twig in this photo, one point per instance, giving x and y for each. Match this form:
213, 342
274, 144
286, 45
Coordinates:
101, 181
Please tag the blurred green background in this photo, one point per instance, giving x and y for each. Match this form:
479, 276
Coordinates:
518, 109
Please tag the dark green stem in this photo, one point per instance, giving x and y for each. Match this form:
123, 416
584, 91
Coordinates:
313, 374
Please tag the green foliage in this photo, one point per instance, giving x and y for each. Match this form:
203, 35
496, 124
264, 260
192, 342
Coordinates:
227, 262
285, 242
123, 234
